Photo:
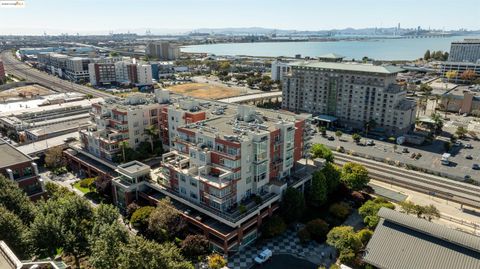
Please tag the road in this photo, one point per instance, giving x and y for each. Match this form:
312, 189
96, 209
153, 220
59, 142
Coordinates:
447, 189
19, 69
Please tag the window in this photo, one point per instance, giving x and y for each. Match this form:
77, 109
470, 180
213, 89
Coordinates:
193, 182
193, 195
182, 190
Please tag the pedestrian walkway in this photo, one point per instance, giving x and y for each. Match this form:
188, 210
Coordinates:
287, 243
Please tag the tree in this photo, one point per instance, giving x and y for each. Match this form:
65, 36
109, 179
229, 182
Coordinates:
293, 205
407, 207
437, 122
166, 218
364, 235
450, 75
195, 246
468, 75
304, 235
321, 151
461, 131
152, 132
64, 223
317, 229
332, 175
431, 212
426, 89
447, 146
338, 134
273, 226
370, 209
427, 56
15, 200
340, 210
12, 231
140, 217
106, 245
322, 130
54, 157
317, 192
123, 145
356, 137
344, 239
355, 176
140, 253
131, 208
215, 261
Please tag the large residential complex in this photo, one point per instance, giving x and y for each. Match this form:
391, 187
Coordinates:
162, 50
279, 68
352, 94
465, 51
20, 168
227, 164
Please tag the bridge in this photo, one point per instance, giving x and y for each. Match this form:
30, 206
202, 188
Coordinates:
254, 98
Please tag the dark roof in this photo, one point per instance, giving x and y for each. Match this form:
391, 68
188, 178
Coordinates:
9, 155
405, 241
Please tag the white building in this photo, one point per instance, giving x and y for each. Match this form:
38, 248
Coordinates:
144, 74
279, 68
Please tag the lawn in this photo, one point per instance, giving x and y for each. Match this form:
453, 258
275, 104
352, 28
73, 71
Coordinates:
78, 187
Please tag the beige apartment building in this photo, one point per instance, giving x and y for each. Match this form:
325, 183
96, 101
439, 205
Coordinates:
349, 95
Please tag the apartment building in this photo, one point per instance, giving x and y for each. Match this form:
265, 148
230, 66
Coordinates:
162, 50
227, 167
279, 68
350, 95
116, 120
101, 73
467, 50
76, 69
21, 169
2, 72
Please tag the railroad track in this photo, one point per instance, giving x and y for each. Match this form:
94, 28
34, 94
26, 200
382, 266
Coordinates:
22, 70
436, 186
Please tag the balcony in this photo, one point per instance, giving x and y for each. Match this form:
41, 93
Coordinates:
214, 176
176, 160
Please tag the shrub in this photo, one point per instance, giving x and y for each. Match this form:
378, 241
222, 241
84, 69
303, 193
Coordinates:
304, 235
273, 227
347, 257
317, 229
216, 261
364, 235
340, 210
358, 198
131, 208
242, 209
258, 200
140, 217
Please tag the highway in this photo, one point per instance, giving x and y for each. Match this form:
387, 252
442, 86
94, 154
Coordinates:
19, 69
462, 193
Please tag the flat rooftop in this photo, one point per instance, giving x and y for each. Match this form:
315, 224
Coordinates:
133, 167
367, 68
9, 155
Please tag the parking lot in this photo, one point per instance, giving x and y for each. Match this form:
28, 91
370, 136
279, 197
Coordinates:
430, 154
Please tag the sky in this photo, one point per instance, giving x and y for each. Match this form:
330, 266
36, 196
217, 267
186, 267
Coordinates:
175, 16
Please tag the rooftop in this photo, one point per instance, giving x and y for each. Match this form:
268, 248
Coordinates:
331, 56
134, 167
9, 155
367, 68
405, 241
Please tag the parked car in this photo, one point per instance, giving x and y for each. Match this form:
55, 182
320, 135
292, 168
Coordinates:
263, 256
69, 139
467, 178
457, 144
370, 142
475, 166
331, 138
468, 157
405, 150
468, 146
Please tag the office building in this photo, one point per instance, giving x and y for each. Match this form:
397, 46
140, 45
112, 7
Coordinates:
349, 95
279, 68
162, 50
2, 72
76, 69
405, 241
21, 169
459, 68
467, 50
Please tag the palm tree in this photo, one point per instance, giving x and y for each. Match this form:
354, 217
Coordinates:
152, 132
123, 145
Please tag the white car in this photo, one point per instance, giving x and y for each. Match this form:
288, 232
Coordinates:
263, 256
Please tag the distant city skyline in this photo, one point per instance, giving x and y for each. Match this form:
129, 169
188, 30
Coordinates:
100, 17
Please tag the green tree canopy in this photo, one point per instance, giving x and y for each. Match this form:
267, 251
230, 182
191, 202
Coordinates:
317, 192
15, 200
344, 239
321, 151
318, 229
332, 174
216, 261
355, 176
370, 209
293, 205
195, 246
12, 231
165, 219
